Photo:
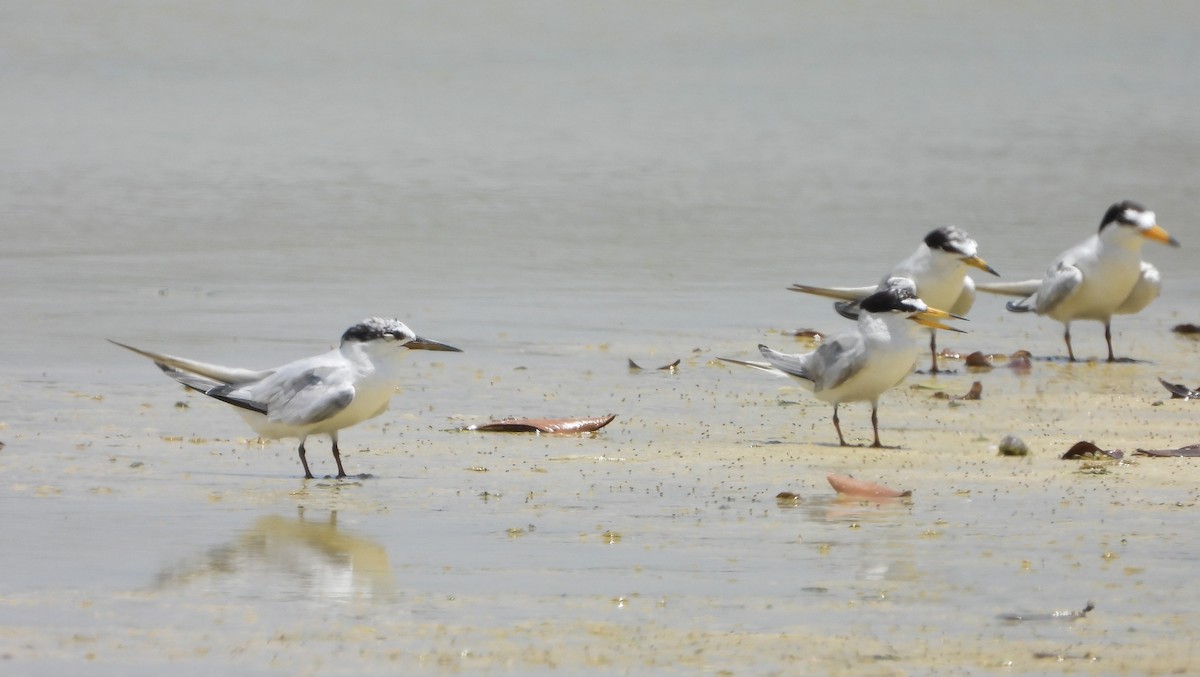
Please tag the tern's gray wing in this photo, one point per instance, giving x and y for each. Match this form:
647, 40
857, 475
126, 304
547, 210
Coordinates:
214, 389
836, 361
792, 365
303, 397
1147, 288
1060, 283
966, 299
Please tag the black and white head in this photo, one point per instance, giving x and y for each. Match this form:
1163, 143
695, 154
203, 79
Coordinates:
899, 295
1129, 216
378, 331
899, 298
955, 242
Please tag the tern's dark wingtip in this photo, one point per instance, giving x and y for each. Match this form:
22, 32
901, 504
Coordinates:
1017, 307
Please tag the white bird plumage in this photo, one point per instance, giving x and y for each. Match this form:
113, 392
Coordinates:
938, 267
1100, 277
318, 395
862, 364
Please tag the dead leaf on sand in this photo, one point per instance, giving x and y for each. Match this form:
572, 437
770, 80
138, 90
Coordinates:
975, 393
1179, 391
543, 425
634, 366
1088, 451
1190, 451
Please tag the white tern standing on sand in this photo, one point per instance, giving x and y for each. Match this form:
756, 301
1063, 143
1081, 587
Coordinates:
317, 395
863, 364
939, 269
1100, 277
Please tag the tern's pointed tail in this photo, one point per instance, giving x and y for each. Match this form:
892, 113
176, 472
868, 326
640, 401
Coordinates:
1026, 289
1022, 289
763, 366
841, 293
792, 365
215, 372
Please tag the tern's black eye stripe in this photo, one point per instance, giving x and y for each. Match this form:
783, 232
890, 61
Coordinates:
948, 239
1117, 213
361, 332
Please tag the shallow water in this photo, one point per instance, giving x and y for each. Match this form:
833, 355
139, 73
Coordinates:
557, 190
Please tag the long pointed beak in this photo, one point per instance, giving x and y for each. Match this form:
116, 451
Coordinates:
1159, 234
425, 344
976, 262
930, 316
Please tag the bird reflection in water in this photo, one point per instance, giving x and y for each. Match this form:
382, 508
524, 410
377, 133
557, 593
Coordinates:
281, 556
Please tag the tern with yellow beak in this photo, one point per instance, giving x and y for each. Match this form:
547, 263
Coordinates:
861, 365
317, 395
938, 268
1100, 277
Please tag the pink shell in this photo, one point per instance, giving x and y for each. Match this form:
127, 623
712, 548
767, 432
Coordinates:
845, 484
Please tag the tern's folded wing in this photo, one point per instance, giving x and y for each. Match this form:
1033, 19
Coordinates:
1060, 283
966, 298
836, 361
1147, 288
793, 365
304, 397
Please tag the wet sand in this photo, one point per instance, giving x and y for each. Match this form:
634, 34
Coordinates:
655, 545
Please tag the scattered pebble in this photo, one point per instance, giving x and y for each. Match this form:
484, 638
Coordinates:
1012, 445
1021, 362
978, 360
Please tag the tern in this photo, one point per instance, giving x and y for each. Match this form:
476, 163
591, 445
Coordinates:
318, 395
1100, 277
865, 363
939, 269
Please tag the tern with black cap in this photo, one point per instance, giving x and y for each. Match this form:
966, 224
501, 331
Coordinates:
860, 366
1100, 277
318, 395
938, 267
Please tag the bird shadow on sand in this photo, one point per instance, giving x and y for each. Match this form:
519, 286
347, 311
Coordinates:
347, 479
830, 445
1063, 359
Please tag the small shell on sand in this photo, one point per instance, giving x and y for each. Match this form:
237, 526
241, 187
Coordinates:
847, 485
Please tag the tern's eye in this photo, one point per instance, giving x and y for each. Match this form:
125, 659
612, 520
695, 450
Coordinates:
389, 337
